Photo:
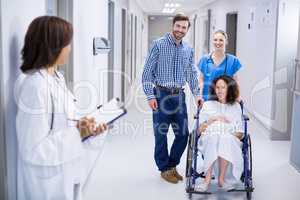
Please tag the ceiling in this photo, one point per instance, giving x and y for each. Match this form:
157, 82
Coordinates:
155, 7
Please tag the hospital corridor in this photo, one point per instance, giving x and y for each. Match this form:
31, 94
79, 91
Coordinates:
151, 100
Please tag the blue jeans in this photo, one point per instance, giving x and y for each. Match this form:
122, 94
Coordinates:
171, 110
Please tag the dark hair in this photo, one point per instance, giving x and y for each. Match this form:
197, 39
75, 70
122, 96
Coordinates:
232, 89
181, 17
45, 38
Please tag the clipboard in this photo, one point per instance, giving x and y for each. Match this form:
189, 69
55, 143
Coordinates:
108, 113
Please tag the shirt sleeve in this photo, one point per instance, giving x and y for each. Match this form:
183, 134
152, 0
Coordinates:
192, 76
202, 65
236, 65
148, 75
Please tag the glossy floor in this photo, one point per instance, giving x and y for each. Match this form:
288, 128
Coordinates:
126, 169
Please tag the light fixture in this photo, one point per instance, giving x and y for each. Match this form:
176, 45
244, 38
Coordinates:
170, 7
168, 10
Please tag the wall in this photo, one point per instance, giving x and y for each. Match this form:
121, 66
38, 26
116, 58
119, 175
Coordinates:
90, 75
90, 72
255, 48
3, 177
90, 81
15, 17
158, 27
286, 49
142, 33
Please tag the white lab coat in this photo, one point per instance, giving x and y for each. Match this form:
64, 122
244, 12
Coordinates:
50, 161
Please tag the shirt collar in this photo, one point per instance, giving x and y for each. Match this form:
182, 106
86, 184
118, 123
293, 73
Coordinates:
172, 40
45, 74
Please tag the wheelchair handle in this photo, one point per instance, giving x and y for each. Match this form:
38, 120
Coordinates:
196, 116
242, 106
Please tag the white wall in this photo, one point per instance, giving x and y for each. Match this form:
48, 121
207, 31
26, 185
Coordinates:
16, 16
90, 72
142, 34
255, 48
158, 27
90, 78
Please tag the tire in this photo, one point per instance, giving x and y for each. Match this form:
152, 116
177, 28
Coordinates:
249, 186
249, 195
250, 156
188, 169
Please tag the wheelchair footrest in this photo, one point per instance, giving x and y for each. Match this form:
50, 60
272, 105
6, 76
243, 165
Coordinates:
242, 190
192, 191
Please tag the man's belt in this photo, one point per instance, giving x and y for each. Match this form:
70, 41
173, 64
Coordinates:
169, 90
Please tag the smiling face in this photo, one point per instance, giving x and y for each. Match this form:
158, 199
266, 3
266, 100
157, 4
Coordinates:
219, 42
221, 90
180, 28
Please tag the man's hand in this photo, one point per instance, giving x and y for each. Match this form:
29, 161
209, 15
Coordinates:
153, 104
199, 101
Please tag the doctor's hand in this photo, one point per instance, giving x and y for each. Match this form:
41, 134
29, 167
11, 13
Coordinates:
87, 127
100, 129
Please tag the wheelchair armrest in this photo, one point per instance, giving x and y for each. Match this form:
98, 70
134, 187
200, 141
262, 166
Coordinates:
246, 118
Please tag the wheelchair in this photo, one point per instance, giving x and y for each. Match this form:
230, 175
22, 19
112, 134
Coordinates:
192, 154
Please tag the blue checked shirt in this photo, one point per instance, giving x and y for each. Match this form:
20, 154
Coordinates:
170, 66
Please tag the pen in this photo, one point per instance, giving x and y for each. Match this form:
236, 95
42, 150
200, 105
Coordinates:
74, 120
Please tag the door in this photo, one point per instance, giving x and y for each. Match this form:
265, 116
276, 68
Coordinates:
285, 54
64, 9
123, 59
3, 163
131, 47
135, 47
231, 30
295, 130
111, 32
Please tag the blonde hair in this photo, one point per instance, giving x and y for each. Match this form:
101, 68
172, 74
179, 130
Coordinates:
221, 32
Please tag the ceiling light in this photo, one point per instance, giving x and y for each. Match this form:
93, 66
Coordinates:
168, 10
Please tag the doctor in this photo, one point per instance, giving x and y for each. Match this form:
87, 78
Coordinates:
50, 164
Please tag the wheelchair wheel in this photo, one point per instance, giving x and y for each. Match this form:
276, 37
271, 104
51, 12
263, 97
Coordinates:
248, 182
250, 156
249, 195
189, 161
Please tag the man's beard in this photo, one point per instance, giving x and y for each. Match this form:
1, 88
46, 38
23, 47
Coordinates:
178, 35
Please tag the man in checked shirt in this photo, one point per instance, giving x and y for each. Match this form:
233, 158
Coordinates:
169, 65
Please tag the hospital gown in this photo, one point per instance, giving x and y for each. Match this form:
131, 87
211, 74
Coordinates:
218, 139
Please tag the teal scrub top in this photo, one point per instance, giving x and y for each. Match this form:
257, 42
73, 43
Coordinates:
229, 66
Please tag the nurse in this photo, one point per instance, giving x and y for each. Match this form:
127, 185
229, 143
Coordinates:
217, 63
50, 163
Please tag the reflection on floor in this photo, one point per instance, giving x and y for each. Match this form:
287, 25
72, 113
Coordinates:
126, 169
